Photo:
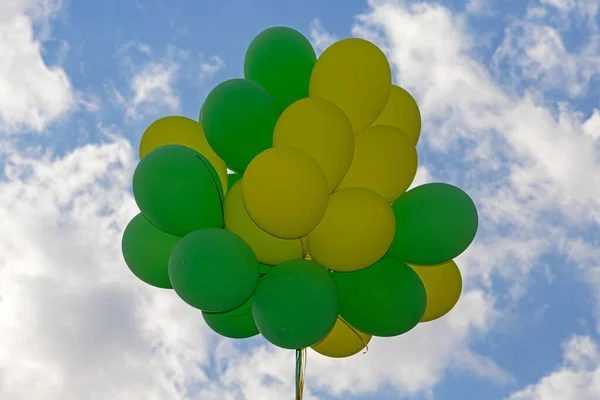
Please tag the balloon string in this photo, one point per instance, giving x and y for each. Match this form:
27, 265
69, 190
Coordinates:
356, 333
301, 357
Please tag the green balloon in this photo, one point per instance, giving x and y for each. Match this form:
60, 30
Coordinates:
265, 268
435, 223
238, 117
385, 299
213, 270
234, 324
296, 304
146, 250
178, 190
232, 179
281, 60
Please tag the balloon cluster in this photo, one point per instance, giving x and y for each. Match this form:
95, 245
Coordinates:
314, 240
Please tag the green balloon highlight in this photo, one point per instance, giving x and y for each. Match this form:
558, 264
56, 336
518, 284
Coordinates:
146, 250
385, 299
238, 117
232, 179
435, 223
296, 304
234, 324
178, 190
281, 60
213, 270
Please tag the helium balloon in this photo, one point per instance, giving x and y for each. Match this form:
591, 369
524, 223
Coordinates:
185, 132
178, 190
443, 284
402, 112
296, 304
285, 192
213, 270
233, 178
268, 249
319, 128
343, 341
435, 223
238, 118
235, 324
281, 59
355, 75
386, 299
356, 231
146, 250
385, 161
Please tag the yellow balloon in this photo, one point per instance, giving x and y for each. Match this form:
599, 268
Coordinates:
186, 132
319, 128
443, 285
356, 231
342, 341
385, 161
268, 249
355, 75
402, 112
285, 192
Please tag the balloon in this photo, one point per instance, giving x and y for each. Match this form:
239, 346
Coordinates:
238, 118
443, 284
233, 178
343, 341
386, 299
385, 161
354, 75
403, 113
213, 270
178, 190
285, 192
265, 268
268, 249
235, 324
356, 231
320, 129
435, 223
185, 132
146, 250
296, 304
281, 59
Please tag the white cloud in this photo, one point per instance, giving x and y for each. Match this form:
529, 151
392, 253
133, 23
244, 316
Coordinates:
153, 84
32, 93
534, 48
578, 377
591, 127
319, 37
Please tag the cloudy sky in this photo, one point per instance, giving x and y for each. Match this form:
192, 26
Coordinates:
509, 97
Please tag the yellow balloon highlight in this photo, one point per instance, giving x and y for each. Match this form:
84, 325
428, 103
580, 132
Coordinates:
268, 249
356, 231
185, 132
385, 161
402, 112
343, 341
443, 285
285, 192
319, 128
355, 75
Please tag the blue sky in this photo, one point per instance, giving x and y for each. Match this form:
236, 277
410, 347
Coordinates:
509, 97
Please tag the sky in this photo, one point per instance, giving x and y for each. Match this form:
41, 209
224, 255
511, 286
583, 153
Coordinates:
509, 95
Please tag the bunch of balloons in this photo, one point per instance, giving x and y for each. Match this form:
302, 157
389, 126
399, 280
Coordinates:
313, 240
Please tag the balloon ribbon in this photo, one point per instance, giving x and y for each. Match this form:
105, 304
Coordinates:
300, 369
